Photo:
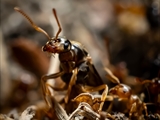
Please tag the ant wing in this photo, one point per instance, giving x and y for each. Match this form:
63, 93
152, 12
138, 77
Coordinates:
88, 75
95, 75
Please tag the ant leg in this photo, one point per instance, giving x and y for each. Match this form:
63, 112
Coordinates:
104, 94
111, 77
145, 108
71, 83
133, 108
44, 79
57, 89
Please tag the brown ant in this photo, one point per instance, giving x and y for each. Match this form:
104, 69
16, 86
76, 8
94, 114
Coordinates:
153, 88
152, 93
134, 105
76, 66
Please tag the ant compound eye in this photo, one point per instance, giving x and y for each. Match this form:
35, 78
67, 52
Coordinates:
66, 44
124, 91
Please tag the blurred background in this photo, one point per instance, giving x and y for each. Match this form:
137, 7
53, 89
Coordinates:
123, 35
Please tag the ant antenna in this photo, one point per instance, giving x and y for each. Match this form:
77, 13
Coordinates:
32, 23
60, 29
143, 82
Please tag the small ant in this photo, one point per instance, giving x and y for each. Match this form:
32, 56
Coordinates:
76, 66
153, 88
152, 93
134, 105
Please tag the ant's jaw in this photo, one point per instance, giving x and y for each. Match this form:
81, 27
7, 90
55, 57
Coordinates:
49, 48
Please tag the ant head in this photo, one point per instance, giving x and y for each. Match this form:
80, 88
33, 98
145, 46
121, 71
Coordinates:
57, 45
38, 28
121, 90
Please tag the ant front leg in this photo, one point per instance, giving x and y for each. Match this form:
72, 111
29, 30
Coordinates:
45, 90
71, 83
93, 89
